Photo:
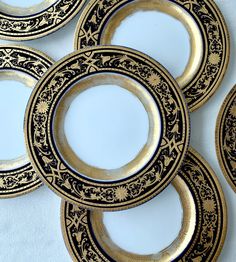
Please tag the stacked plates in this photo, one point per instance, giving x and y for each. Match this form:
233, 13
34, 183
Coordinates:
87, 191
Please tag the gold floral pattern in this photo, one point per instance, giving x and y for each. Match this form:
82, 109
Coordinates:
210, 227
121, 193
42, 107
132, 190
233, 110
209, 205
39, 24
210, 22
18, 181
226, 138
154, 79
214, 59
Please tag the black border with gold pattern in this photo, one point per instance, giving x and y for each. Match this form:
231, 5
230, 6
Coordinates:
209, 230
226, 138
213, 29
21, 27
97, 194
20, 60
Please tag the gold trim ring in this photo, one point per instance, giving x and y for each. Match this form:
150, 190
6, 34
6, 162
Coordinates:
156, 165
226, 137
38, 21
210, 44
201, 238
17, 177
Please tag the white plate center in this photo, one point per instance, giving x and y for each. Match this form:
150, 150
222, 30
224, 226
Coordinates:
14, 96
106, 126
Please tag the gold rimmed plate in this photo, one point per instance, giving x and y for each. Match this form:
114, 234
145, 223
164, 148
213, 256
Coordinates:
36, 21
226, 138
156, 164
210, 45
27, 65
200, 239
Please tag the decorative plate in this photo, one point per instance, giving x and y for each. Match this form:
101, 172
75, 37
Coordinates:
157, 163
210, 45
24, 64
226, 138
38, 21
201, 238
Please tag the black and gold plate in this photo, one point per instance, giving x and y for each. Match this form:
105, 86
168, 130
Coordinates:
226, 138
27, 65
200, 239
37, 21
210, 45
156, 164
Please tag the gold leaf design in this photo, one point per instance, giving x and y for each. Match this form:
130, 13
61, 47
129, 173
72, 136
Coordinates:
170, 152
20, 180
208, 236
40, 23
210, 22
226, 137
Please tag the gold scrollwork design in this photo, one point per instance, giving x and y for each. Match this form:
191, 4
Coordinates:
28, 27
209, 230
208, 18
226, 138
17, 179
133, 190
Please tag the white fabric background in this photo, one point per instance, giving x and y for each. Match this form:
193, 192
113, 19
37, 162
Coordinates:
30, 225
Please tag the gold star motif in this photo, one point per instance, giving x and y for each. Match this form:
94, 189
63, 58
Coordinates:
154, 79
42, 107
214, 59
209, 205
233, 110
121, 193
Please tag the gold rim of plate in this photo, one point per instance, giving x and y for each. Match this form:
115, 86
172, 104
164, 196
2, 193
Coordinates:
21, 24
201, 238
141, 179
225, 138
17, 176
209, 38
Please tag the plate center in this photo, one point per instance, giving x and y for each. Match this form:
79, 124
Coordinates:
159, 35
159, 230
149, 228
163, 30
14, 96
24, 7
106, 126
